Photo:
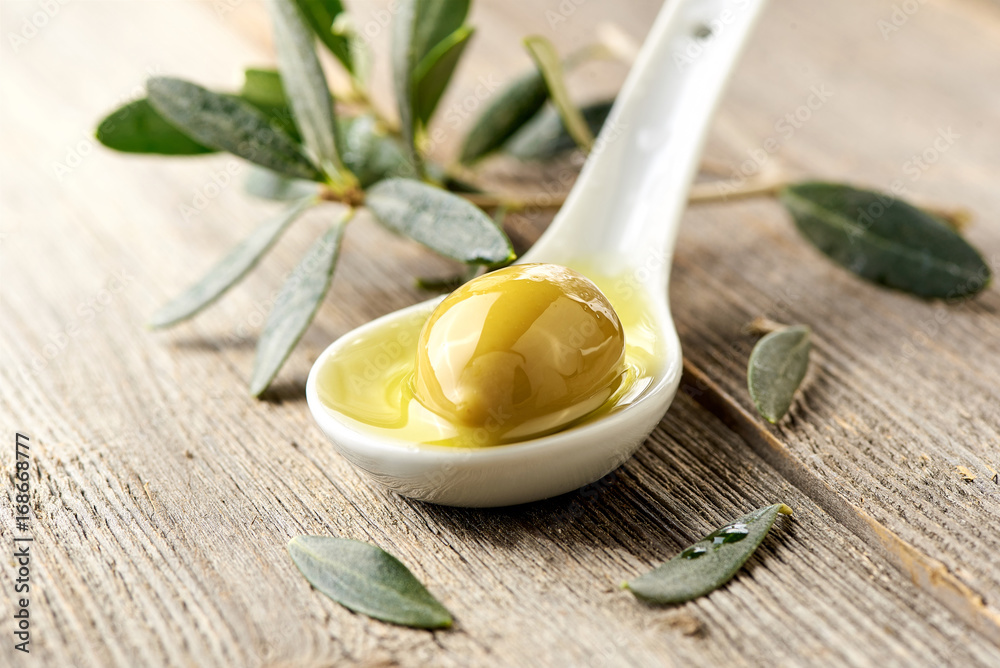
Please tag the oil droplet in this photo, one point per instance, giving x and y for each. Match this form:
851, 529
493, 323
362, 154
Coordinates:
729, 534
694, 552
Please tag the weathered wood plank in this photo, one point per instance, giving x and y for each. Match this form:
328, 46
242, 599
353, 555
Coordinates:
903, 391
165, 495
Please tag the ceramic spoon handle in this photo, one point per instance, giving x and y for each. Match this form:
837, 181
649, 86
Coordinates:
626, 206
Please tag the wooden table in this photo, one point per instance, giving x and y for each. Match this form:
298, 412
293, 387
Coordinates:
163, 495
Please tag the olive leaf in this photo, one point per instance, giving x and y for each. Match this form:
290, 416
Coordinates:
368, 580
361, 52
544, 137
709, 563
138, 128
443, 222
548, 63
434, 72
263, 89
504, 115
321, 15
419, 26
370, 152
266, 184
295, 306
229, 270
777, 365
305, 84
229, 124
886, 240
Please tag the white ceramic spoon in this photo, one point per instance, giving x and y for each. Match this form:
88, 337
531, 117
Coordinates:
622, 216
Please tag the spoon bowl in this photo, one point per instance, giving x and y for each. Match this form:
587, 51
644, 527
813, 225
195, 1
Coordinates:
621, 217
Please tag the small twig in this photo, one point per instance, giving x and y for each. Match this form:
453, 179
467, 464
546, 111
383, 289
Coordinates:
700, 193
490, 200
719, 191
352, 196
761, 325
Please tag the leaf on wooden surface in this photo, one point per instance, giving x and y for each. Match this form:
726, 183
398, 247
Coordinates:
504, 115
266, 184
371, 153
777, 365
709, 563
304, 82
434, 72
229, 270
443, 222
138, 128
547, 60
296, 305
368, 580
229, 124
886, 240
419, 26
545, 137
321, 15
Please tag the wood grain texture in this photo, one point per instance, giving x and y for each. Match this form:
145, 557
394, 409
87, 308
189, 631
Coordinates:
164, 496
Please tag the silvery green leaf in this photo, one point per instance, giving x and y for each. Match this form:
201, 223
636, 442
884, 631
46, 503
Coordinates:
296, 305
263, 88
228, 123
368, 580
886, 240
547, 60
505, 113
544, 137
266, 184
138, 128
371, 153
304, 83
443, 222
229, 270
434, 72
321, 15
777, 365
709, 563
419, 26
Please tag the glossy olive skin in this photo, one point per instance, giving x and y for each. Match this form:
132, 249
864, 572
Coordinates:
520, 352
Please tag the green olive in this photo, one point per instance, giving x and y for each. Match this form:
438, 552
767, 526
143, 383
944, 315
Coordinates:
520, 352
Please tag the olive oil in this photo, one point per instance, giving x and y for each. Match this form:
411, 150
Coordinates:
384, 382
